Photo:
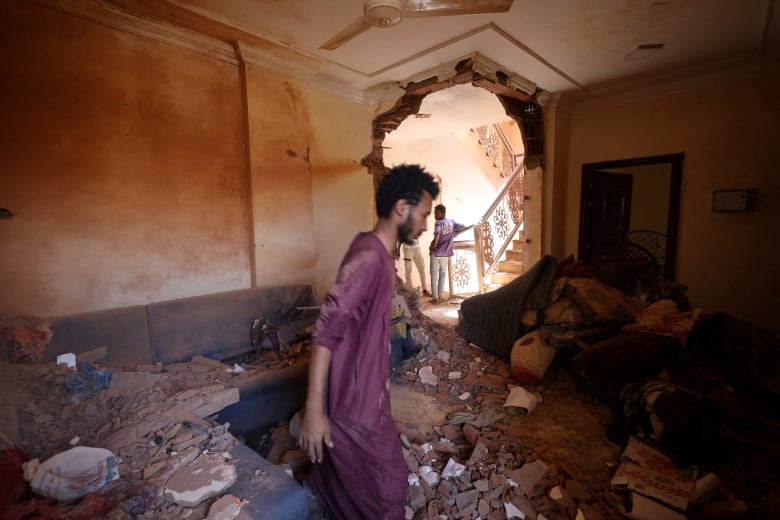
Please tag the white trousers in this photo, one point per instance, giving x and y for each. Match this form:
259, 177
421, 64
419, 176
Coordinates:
439, 266
413, 255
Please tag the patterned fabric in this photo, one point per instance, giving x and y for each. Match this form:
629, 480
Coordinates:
493, 321
602, 303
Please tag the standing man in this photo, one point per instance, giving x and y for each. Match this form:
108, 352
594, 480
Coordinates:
441, 250
348, 430
412, 254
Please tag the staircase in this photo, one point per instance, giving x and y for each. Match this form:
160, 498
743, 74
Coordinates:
500, 250
512, 265
497, 247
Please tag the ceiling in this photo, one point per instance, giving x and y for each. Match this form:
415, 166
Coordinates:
579, 47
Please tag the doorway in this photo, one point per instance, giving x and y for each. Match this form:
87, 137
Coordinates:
629, 214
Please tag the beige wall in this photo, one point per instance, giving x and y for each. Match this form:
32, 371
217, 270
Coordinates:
279, 137
136, 176
555, 178
728, 132
343, 191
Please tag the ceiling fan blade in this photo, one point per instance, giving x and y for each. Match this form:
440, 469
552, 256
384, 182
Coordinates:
423, 8
357, 27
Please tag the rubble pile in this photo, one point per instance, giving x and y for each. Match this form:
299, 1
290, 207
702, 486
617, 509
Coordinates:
479, 441
171, 457
493, 460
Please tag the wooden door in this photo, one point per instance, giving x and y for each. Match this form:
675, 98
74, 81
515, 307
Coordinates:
609, 221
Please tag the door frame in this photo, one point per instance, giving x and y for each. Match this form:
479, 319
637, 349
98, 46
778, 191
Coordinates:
673, 217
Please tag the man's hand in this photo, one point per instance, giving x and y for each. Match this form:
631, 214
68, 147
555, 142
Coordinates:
315, 428
315, 431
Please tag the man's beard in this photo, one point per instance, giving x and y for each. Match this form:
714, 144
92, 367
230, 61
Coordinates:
405, 231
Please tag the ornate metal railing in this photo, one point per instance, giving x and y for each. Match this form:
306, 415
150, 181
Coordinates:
499, 225
498, 148
475, 260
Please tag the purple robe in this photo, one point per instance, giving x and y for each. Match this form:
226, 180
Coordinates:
364, 475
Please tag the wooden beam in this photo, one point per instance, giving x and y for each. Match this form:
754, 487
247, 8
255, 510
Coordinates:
501, 90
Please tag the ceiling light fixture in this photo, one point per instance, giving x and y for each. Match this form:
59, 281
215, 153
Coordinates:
384, 13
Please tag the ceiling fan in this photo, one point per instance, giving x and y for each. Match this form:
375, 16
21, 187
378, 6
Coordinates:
387, 13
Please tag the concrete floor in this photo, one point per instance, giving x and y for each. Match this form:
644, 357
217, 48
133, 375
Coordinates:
445, 312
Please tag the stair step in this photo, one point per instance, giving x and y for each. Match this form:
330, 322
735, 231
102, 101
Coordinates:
518, 244
502, 277
514, 254
511, 266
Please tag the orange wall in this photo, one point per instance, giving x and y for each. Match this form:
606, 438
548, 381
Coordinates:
123, 161
279, 137
728, 130
136, 175
342, 189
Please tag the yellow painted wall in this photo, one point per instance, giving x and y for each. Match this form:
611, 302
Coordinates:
729, 134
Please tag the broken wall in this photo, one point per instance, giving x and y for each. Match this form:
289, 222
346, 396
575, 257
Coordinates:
727, 128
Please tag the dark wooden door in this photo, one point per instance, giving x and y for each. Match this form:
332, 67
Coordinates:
610, 219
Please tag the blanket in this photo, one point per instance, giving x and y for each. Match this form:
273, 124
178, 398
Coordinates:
493, 321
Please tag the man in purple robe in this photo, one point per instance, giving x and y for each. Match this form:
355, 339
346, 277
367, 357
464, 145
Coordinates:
348, 430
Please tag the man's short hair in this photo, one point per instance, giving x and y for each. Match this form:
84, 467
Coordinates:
441, 208
407, 182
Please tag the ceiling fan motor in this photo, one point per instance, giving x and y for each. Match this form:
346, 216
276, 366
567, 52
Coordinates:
383, 13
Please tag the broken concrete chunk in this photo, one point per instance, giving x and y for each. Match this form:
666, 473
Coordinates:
471, 433
519, 397
226, 507
117, 440
207, 477
429, 475
153, 468
478, 455
203, 360
482, 485
155, 368
427, 377
217, 402
528, 475
512, 511
154, 425
129, 382
452, 469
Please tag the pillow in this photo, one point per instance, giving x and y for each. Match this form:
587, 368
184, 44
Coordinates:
602, 303
531, 357
565, 312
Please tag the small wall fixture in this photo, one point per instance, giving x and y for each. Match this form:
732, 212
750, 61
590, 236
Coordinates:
644, 51
734, 200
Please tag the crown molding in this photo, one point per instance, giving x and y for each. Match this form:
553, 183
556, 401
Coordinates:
317, 72
117, 18
691, 78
